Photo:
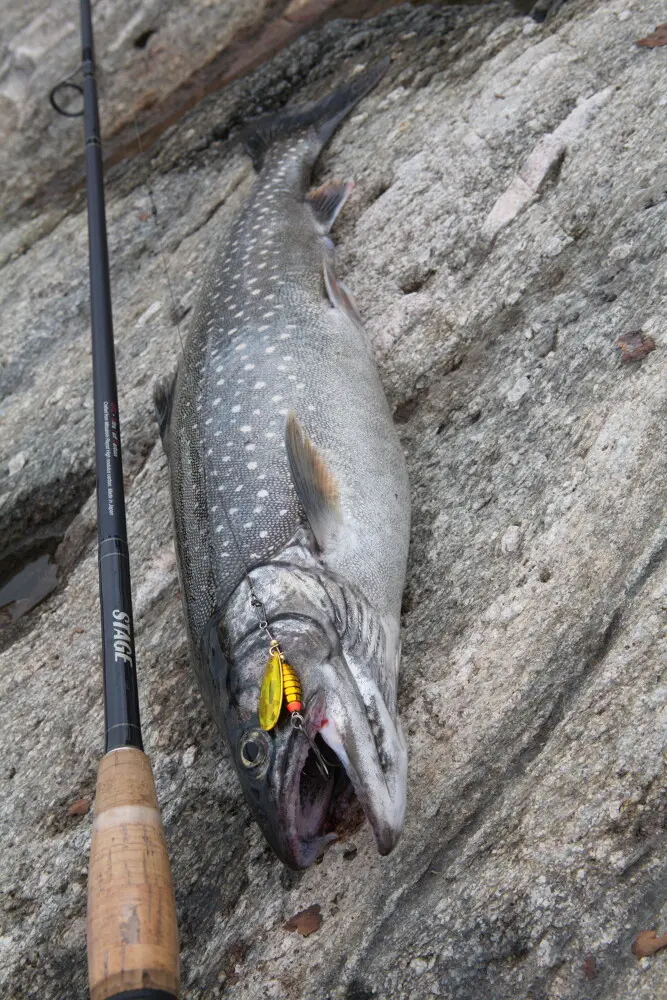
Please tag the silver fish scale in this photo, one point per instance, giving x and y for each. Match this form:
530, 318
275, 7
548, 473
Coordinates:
265, 340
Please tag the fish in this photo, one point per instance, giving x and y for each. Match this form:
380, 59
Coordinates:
291, 502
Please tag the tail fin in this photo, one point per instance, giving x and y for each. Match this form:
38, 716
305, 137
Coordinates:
323, 117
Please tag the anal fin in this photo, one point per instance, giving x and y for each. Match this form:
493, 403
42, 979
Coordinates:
315, 484
326, 201
339, 295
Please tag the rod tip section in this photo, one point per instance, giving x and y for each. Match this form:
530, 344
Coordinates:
132, 931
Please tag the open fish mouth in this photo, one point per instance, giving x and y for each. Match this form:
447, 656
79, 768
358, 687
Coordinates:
320, 806
312, 798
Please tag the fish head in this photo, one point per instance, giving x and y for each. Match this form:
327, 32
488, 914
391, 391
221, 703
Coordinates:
344, 723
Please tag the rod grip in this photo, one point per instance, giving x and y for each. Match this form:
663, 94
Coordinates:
132, 930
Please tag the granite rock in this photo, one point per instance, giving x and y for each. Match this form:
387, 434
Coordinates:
533, 679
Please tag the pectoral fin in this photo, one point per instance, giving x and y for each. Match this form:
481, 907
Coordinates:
315, 484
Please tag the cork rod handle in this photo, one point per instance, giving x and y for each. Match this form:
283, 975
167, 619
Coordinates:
132, 931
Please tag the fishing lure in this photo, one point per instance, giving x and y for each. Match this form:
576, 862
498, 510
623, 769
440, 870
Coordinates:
281, 685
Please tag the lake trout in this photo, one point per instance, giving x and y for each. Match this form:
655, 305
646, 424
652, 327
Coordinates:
291, 504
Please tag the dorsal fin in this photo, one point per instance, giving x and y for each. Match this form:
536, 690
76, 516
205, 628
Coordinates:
327, 200
315, 484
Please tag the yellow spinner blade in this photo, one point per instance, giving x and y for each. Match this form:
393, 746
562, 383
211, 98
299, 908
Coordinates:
271, 692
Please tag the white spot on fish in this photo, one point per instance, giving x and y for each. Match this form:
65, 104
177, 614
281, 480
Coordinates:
220, 381
216, 402
270, 434
236, 408
225, 458
252, 465
285, 336
263, 534
239, 488
256, 413
246, 429
262, 328
233, 330
209, 421
301, 385
276, 399
248, 368
267, 315
250, 446
257, 510
248, 524
220, 528
283, 511
262, 493
259, 385
240, 347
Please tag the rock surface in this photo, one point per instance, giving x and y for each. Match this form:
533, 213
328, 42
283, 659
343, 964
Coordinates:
508, 226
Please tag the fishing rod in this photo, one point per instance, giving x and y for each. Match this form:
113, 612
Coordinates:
132, 931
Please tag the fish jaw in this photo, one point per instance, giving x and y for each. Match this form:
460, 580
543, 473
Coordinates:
357, 726
291, 824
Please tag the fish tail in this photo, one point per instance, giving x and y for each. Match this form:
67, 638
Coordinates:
320, 120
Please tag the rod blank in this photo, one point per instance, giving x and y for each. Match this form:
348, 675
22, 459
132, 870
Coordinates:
132, 929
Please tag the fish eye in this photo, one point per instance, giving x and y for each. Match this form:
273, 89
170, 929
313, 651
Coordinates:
253, 748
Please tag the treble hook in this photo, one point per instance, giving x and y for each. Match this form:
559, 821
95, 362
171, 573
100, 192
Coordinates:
298, 723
